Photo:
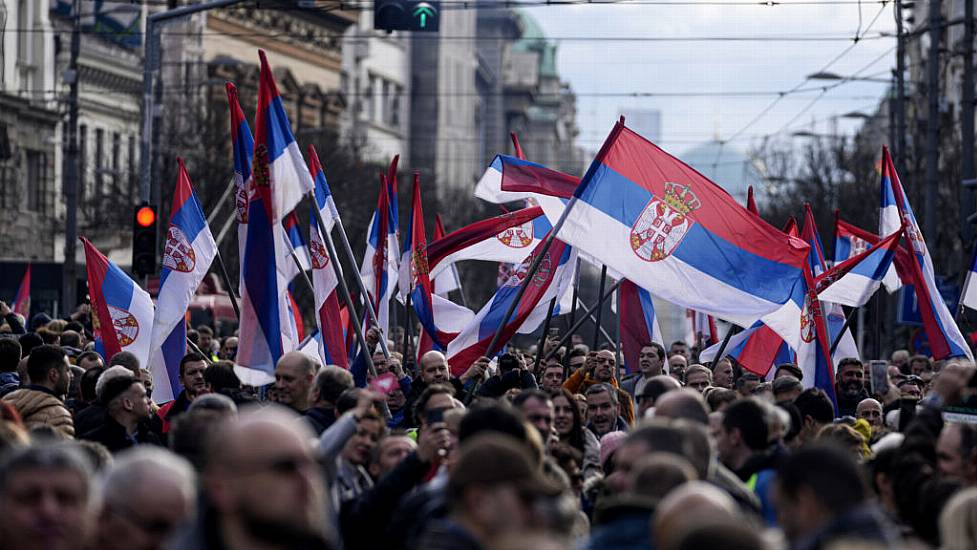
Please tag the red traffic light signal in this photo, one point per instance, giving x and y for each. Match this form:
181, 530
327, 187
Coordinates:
145, 216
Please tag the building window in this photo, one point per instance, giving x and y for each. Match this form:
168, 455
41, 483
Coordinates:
35, 171
116, 163
82, 163
133, 176
368, 99
99, 187
395, 107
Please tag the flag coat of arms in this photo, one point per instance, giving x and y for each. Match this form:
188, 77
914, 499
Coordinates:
279, 180
187, 255
22, 300
673, 232
639, 324
122, 312
944, 336
555, 274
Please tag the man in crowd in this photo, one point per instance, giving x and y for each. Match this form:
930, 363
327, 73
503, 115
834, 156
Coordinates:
491, 493
89, 360
600, 368
330, 382
743, 446
41, 403
655, 388
677, 363
128, 407
604, 410
146, 494
816, 411
228, 349
786, 388
263, 485
389, 452
47, 498
679, 347
205, 341
821, 501
192, 367
434, 369
871, 411
651, 359
294, 374
553, 376
850, 385
722, 374
746, 383
698, 377
956, 452
537, 408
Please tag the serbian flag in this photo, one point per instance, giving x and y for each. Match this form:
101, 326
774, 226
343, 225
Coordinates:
555, 274
702, 328
379, 268
122, 312
297, 243
813, 344
855, 280
833, 313
756, 349
442, 319
673, 232
510, 179
851, 241
332, 345
508, 238
324, 200
189, 250
639, 324
22, 300
448, 280
279, 179
242, 144
941, 330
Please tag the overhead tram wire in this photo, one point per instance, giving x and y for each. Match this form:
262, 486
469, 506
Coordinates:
777, 100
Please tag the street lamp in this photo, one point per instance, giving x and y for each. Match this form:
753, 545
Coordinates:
832, 76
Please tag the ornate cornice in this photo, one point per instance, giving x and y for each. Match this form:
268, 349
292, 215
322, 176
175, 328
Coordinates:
315, 39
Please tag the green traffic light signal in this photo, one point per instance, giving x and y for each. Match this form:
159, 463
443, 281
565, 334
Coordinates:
422, 12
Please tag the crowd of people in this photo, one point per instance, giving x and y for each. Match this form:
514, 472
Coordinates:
560, 449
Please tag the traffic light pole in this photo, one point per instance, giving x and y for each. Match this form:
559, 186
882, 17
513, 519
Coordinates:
69, 276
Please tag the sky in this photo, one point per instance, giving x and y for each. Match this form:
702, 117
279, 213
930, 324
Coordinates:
597, 69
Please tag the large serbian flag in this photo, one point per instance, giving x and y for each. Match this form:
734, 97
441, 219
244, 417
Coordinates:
555, 274
279, 180
944, 336
756, 349
22, 300
639, 324
187, 255
666, 227
332, 345
122, 313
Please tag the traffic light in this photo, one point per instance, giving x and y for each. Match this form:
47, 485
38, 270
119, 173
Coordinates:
144, 240
406, 15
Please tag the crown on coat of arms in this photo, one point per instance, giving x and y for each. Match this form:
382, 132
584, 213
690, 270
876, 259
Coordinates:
681, 198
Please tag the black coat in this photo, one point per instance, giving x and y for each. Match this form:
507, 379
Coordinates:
113, 435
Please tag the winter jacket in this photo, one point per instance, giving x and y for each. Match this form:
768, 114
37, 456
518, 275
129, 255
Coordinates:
39, 406
623, 524
169, 411
9, 382
320, 418
444, 534
113, 435
861, 527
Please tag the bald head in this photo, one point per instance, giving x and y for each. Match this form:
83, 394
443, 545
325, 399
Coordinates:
260, 469
871, 411
684, 403
294, 374
673, 518
434, 368
159, 484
